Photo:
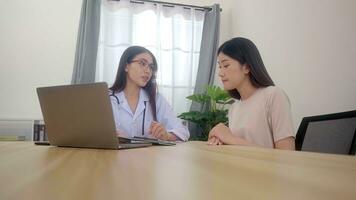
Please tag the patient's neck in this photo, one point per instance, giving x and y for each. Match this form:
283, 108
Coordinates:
246, 90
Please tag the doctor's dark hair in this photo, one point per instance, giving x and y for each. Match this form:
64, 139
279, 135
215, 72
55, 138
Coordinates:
121, 76
245, 52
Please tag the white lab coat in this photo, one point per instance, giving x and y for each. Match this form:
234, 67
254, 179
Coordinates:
130, 124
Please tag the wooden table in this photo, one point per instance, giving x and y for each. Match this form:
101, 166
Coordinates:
190, 170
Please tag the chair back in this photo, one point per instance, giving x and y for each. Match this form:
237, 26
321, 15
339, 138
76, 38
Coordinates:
331, 133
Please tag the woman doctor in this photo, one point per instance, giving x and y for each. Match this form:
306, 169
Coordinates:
139, 110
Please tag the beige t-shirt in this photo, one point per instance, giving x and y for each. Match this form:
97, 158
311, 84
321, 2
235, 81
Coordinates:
263, 118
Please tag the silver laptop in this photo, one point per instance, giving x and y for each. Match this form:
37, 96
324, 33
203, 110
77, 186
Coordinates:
81, 116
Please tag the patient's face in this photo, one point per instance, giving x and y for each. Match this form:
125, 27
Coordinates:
231, 72
139, 71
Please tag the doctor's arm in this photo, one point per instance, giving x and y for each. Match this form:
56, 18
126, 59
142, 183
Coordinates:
158, 131
175, 130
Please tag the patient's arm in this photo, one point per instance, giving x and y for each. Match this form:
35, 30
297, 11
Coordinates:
286, 144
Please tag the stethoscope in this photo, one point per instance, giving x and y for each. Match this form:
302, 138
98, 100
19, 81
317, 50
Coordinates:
144, 112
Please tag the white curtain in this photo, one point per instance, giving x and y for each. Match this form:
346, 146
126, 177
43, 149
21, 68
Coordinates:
173, 34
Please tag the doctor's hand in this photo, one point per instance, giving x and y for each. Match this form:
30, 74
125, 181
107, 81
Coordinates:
221, 134
119, 133
157, 130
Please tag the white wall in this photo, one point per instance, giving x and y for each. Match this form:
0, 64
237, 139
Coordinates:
38, 40
309, 49
37, 46
307, 45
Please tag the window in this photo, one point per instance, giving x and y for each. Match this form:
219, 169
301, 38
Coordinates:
173, 34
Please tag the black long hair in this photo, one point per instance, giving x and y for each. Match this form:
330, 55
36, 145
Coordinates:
121, 76
245, 52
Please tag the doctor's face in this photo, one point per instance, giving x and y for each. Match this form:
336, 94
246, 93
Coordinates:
231, 72
140, 70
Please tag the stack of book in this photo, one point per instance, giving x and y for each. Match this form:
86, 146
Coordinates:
39, 131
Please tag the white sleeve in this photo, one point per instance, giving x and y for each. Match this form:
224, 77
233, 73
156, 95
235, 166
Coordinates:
166, 116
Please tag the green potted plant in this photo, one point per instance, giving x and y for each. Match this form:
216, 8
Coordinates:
214, 111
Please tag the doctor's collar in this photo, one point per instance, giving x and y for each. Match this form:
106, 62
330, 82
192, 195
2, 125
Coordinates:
121, 96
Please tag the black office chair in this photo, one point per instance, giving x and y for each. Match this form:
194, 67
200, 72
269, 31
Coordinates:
331, 133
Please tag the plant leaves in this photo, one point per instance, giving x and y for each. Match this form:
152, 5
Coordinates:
230, 101
212, 115
217, 94
200, 98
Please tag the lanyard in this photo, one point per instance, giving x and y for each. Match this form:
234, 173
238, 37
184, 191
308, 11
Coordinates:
143, 119
144, 112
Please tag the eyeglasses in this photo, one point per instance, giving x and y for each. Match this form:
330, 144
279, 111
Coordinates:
144, 64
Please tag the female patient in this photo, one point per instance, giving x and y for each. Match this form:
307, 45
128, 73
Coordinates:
138, 109
261, 115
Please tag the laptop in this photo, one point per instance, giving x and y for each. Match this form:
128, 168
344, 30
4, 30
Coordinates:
81, 116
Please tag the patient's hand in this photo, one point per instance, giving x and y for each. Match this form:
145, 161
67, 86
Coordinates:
214, 141
222, 133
